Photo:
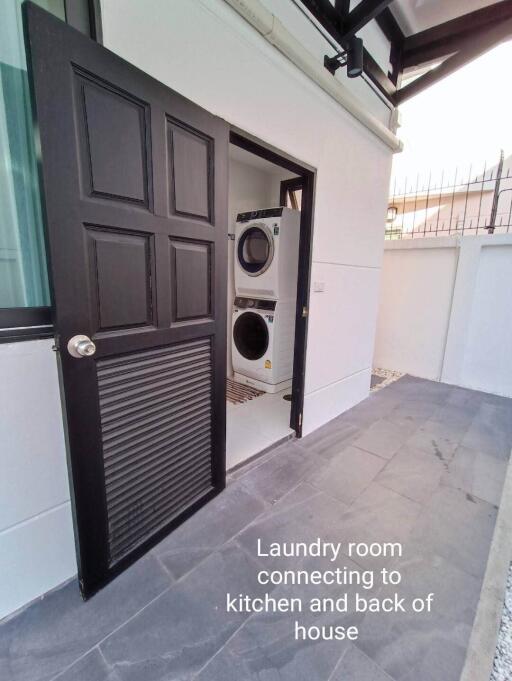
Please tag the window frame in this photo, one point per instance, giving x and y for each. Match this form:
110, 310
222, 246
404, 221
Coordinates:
33, 323
85, 16
287, 189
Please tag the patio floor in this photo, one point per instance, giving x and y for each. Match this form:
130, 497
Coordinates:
418, 462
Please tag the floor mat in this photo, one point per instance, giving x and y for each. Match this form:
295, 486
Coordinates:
237, 393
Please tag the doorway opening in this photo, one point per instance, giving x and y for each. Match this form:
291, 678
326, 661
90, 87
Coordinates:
269, 251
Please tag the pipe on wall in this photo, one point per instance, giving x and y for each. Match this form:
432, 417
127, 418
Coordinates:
269, 26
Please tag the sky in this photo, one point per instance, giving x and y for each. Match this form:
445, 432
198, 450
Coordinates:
464, 119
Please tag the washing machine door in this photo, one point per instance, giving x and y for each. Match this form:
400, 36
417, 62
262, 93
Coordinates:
250, 335
255, 249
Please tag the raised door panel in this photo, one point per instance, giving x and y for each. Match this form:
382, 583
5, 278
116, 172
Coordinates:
114, 141
121, 288
191, 273
191, 172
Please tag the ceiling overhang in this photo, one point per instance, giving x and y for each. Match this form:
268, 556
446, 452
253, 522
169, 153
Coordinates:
430, 54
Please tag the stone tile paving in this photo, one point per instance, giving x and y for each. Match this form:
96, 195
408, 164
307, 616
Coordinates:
418, 462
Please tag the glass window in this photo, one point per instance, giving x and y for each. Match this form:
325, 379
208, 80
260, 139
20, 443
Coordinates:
255, 250
23, 273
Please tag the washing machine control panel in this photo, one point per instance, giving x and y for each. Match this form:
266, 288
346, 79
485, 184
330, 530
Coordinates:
259, 214
252, 303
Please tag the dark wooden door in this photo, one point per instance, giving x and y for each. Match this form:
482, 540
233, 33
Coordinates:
135, 186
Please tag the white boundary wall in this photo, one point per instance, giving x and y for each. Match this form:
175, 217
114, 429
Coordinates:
446, 310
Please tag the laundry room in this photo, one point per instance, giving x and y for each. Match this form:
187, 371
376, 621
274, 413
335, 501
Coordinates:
263, 253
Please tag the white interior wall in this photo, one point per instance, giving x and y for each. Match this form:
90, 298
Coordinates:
444, 311
37, 548
254, 87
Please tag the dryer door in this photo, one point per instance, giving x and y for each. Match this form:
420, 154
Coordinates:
250, 335
255, 249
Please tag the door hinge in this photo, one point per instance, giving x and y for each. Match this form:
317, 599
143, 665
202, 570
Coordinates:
305, 311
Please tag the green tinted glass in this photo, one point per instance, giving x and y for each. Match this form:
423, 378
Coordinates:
23, 275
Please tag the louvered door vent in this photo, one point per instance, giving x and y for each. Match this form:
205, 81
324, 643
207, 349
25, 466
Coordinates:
156, 428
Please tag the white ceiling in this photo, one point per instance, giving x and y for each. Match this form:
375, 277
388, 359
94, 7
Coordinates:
243, 156
417, 15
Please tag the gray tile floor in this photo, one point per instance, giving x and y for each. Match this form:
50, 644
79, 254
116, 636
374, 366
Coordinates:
418, 462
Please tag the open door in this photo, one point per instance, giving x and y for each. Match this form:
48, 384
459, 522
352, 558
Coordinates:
135, 186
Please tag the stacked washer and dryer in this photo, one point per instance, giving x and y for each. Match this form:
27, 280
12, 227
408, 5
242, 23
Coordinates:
266, 263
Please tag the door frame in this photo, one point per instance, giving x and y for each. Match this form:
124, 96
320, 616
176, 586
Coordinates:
289, 186
307, 174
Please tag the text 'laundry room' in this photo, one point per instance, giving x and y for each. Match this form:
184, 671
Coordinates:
263, 253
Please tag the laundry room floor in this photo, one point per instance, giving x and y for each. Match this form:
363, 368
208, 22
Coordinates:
255, 426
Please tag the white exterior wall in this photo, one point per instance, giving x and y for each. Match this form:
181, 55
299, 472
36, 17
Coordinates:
37, 547
293, 20
206, 51
445, 311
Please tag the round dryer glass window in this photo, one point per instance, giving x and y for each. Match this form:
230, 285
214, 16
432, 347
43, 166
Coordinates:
250, 335
255, 249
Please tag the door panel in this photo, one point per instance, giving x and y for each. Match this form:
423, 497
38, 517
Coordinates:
135, 187
121, 278
113, 130
191, 159
191, 275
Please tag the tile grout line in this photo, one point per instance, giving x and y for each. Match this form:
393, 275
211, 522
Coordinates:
30, 519
256, 461
98, 643
266, 511
235, 632
176, 581
481, 648
382, 671
336, 666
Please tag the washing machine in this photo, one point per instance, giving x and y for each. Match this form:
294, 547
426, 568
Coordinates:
266, 253
263, 333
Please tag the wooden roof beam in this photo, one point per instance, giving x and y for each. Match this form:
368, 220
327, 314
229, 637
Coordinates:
361, 15
445, 39
481, 43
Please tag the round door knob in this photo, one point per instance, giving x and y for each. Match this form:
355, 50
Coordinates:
81, 346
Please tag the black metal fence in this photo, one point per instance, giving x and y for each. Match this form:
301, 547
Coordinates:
458, 203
